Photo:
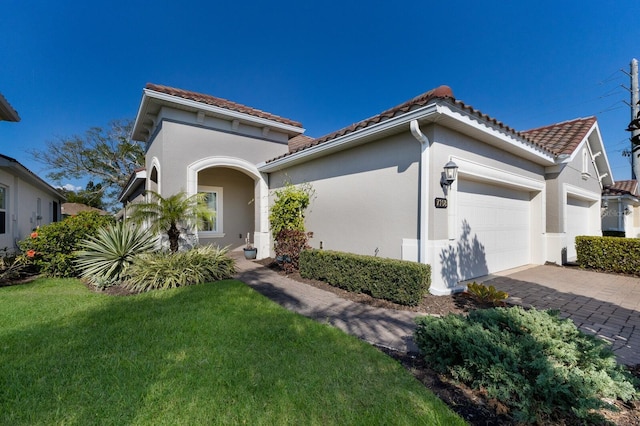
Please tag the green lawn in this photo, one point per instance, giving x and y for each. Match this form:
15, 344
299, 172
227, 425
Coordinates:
217, 353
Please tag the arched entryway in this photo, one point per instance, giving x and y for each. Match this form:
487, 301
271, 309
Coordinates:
238, 193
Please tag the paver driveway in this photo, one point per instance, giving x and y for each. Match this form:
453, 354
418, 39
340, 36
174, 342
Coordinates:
606, 305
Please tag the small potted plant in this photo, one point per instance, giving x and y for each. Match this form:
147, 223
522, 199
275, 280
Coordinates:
250, 252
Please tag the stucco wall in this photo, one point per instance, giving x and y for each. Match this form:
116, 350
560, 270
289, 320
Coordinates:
237, 205
366, 198
177, 145
22, 208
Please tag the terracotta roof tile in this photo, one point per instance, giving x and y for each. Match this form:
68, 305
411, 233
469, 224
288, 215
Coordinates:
300, 144
297, 142
442, 92
622, 187
221, 103
561, 138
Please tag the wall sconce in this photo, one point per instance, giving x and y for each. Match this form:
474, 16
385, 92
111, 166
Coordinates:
627, 211
605, 204
448, 176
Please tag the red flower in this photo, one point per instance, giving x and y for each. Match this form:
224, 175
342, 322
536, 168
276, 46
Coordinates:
31, 253
34, 235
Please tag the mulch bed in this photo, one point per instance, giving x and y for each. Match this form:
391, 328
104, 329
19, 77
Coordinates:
472, 405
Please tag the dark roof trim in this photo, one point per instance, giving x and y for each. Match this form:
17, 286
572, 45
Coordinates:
7, 113
28, 175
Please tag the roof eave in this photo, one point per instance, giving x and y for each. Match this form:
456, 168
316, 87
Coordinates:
347, 141
7, 113
163, 98
439, 111
28, 176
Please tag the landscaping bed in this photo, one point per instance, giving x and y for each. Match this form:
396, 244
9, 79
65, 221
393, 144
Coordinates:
473, 405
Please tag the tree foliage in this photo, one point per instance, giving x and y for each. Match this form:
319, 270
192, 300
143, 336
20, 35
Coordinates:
105, 155
90, 196
168, 215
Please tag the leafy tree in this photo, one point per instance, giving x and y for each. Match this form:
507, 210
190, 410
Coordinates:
106, 155
90, 196
172, 213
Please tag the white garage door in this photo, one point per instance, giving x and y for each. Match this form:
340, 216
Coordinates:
577, 223
494, 225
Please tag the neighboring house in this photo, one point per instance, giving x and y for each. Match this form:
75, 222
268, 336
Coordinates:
26, 202
519, 197
72, 209
7, 113
621, 209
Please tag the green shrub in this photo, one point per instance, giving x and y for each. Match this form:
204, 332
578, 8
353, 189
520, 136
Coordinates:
51, 248
287, 212
486, 294
398, 281
104, 258
537, 364
610, 254
170, 270
289, 244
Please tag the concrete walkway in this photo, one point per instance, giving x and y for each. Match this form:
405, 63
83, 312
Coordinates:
602, 304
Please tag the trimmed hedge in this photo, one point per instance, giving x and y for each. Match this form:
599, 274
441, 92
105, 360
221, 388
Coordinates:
398, 281
611, 254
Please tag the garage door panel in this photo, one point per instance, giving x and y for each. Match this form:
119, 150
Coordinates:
498, 220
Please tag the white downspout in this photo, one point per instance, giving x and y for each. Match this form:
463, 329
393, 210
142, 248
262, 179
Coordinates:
423, 220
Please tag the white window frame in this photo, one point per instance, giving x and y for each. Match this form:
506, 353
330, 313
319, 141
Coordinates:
219, 232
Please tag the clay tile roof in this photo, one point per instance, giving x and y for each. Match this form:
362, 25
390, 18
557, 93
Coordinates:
299, 144
622, 187
220, 103
561, 138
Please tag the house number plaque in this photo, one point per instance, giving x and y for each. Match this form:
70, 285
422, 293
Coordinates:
441, 203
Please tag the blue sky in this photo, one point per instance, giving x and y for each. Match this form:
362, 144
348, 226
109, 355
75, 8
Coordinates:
66, 66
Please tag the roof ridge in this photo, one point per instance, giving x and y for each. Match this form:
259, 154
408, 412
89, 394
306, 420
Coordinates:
440, 92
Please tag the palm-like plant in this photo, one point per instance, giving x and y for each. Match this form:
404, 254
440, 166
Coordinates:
105, 258
167, 214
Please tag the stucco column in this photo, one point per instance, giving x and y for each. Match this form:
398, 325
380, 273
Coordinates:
262, 234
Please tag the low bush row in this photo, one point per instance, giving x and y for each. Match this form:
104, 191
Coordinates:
610, 254
541, 367
398, 281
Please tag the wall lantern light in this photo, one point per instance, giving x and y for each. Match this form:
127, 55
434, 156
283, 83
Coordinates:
627, 210
449, 175
605, 204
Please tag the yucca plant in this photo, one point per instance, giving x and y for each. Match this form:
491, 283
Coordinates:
105, 258
163, 270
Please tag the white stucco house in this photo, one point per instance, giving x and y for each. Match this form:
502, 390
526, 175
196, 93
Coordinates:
26, 201
621, 209
518, 198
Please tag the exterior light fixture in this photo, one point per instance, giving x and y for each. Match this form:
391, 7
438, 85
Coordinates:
448, 176
450, 172
627, 210
605, 204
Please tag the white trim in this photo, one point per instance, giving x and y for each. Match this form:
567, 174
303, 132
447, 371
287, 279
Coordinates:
434, 112
261, 193
580, 193
261, 122
478, 171
348, 140
219, 231
508, 141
